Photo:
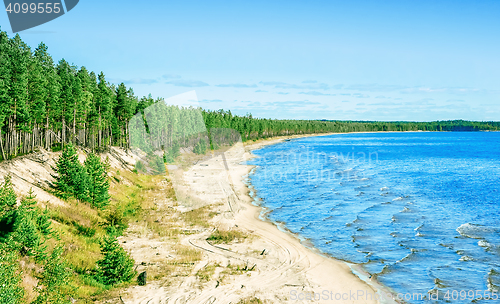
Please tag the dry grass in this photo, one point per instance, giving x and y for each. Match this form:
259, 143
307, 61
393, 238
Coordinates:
186, 254
252, 300
207, 272
198, 217
226, 236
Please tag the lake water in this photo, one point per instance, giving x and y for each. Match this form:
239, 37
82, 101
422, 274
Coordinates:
419, 210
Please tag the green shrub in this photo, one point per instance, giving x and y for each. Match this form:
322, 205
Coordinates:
201, 147
30, 226
157, 165
116, 266
7, 207
54, 280
172, 154
98, 181
10, 278
85, 231
71, 177
140, 167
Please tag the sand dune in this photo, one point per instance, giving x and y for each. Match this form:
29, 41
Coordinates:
285, 271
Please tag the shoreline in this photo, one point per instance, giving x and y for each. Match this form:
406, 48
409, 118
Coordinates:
267, 265
355, 270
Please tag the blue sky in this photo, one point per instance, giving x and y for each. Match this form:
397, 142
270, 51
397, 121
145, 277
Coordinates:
359, 60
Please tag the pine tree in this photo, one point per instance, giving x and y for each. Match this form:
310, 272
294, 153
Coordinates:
7, 196
64, 110
53, 91
116, 266
5, 82
18, 110
71, 177
104, 107
38, 87
11, 291
200, 147
54, 280
98, 181
26, 236
85, 107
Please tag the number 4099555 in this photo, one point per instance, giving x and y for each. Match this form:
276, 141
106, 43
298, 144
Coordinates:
33, 8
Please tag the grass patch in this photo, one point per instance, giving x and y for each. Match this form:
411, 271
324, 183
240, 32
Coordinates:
207, 272
252, 300
197, 217
238, 269
226, 236
187, 255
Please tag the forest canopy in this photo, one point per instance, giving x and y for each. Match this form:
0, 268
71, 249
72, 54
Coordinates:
47, 104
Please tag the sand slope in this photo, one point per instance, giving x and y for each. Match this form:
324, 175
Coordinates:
287, 272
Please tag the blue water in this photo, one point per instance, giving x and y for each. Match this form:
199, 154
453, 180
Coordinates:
420, 211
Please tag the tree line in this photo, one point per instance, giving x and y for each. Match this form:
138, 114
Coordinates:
44, 104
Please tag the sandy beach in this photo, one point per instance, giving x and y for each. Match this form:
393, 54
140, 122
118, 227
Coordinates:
283, 269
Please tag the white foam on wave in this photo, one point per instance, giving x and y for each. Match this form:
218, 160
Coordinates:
466, 258
406, 209
485, 244
473, 231
384, 189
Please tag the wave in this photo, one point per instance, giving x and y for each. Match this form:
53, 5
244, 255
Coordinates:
375, 215
406, 209
466, 258
474, 231
361, 187
493, 281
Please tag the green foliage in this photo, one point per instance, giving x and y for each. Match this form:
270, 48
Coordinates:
71, 177
88, 182
98, 181
7, 197
54, 280
151, 164
157, 165
116, 266
171, 154
26, 235
25, 228
140, 167
83, 230
10, 277
200, 147
116, 222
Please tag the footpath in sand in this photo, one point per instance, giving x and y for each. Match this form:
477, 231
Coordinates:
278, 268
